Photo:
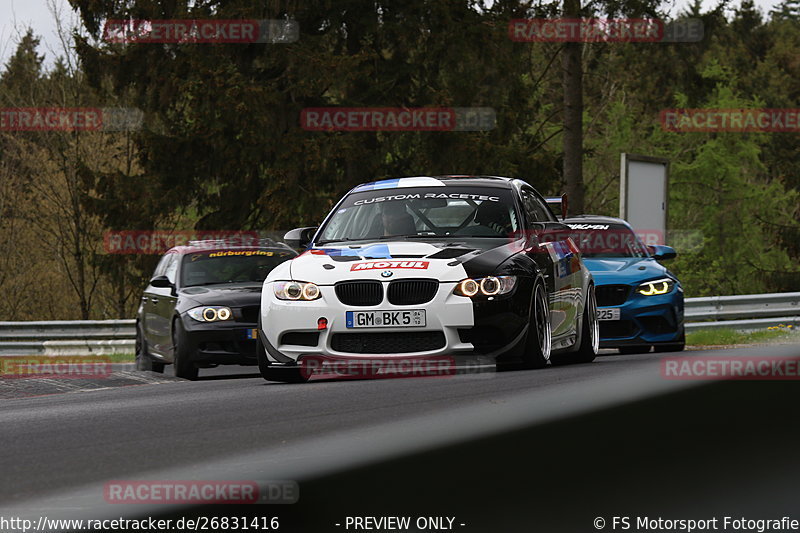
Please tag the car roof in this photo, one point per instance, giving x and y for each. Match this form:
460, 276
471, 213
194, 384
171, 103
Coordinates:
448, 179
214, 245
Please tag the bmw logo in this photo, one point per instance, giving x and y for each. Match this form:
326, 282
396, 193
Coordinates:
387, 273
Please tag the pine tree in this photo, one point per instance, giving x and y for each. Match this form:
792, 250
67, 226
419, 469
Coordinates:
23, 71
787, 10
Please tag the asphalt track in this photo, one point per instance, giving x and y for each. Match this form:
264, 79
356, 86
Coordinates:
64, 440
59, 445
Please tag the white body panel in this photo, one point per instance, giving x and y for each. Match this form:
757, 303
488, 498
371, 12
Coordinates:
446, 312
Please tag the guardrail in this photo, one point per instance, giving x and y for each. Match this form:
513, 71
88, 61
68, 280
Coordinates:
68, 337
746, 312
744, 306
68, 329
104, 337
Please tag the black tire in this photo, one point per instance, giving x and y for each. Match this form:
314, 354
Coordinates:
538, 339
143, 359
674, 347
590, 335
630, 350
182, 364
276, 373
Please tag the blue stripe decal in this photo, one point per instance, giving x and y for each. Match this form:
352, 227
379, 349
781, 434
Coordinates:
399, 183
335, 252
377, 251
385, 184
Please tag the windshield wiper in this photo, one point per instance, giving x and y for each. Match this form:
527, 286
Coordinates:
390, 237
219, 283
368, 239
347, 239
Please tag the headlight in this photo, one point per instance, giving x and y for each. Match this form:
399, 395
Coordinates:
659, 286
210, 313
467, 287
295, 290
488, 286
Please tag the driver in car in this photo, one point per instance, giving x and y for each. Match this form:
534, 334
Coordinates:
492, 219
397, 221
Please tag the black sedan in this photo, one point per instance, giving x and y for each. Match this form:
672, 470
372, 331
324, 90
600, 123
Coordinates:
201, 306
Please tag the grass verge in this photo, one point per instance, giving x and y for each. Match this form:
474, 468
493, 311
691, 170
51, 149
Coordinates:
120, 358
720, 337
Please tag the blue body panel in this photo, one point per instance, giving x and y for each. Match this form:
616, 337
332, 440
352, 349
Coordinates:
644, 320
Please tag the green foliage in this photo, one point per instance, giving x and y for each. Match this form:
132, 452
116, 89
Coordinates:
20, 80
222, 147
732, 192
787, 10
223, 120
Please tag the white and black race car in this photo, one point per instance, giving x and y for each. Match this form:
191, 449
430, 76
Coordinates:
463, 267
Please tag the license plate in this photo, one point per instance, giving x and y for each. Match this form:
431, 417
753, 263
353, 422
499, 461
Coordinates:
251, 333
608, 314
386, 319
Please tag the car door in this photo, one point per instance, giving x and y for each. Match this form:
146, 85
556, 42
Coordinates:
563, 276
163, 301
150, 298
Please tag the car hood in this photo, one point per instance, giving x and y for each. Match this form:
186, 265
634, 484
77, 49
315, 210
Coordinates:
443, 260
229, 294
624, 269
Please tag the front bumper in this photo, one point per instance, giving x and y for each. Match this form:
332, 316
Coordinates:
226, 342
645, 320
455, 326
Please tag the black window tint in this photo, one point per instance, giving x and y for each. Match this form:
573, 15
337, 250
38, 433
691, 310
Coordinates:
544, 210
230, 266
535, 211
435, 211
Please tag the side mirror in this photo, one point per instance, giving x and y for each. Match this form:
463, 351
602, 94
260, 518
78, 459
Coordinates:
299, 238
534, 234
161, 282
659, 251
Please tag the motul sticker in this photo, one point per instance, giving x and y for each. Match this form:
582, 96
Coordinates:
390, 264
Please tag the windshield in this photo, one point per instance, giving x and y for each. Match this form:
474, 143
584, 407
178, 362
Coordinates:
606, 240
424, 212
229, 266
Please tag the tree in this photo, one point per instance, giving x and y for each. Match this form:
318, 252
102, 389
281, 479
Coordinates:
787, 10
720, 189
572, 68
224, 139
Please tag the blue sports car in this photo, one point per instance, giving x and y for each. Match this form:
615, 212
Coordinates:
639, 301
